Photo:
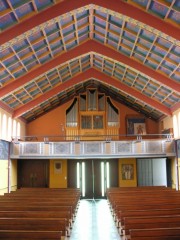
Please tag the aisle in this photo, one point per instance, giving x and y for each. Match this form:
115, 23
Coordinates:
94, 222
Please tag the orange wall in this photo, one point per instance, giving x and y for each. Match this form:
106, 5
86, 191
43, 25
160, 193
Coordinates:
58, 179
52, 122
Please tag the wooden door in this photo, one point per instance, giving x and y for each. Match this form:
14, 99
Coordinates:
33, 173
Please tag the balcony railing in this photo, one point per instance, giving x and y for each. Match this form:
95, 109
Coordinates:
136, 146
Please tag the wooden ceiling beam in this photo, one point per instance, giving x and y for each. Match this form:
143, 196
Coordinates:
67, 6
86, 48
6, 107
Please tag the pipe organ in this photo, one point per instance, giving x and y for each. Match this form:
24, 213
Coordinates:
92, 116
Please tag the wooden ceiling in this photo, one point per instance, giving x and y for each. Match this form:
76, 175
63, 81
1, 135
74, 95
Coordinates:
51, 50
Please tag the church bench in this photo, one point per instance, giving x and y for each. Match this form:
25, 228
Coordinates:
40, 210
38, 194
135, 195
143, 201
138, 191
156, 238
141, 188
155, 233
36, 208
14, 207
40, 224
131, 197
143, 195
136, 205
43, 200
30, 235
143, 206
124, 194
154, 198
146, 212
70, 200
32, 201
45, 195
39, 207
38, 214
48, 191
132, 207
149, 222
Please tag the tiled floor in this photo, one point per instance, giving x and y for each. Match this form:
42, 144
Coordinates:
94, 222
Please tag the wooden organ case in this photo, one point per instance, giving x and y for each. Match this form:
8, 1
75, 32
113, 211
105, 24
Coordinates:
92, 116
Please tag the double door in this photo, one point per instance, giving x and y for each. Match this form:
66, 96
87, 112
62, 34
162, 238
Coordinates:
33, 173
93, 176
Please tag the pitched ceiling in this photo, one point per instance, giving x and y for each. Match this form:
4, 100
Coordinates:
51, 50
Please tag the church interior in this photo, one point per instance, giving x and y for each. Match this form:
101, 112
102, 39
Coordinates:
90, 119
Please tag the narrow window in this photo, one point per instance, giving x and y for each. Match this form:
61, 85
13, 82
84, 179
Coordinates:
83, 180
14, 128
9, 128
175, 126
4, 126
18, 129
102, 178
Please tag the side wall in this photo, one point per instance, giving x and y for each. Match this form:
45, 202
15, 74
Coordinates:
3, 176
8, 128
4, 151
13, 175
178, 152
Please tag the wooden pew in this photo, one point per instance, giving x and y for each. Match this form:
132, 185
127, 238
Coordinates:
155, 234
39, 224
38, 210
32, 189
37, 198
49, 191
148, 222
38, 214
30, 235
137, 207
142, 200
38, 205
35, 214
130, 198
145, 208
145, 212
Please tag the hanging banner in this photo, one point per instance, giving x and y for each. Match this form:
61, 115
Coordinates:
4, 149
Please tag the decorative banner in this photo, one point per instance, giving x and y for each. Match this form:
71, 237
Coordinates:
4, 149
178, 148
